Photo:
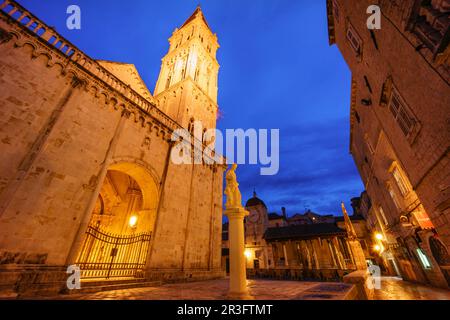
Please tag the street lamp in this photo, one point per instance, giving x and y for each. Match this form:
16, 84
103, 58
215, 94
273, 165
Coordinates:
379, 236
133, 221
248, 253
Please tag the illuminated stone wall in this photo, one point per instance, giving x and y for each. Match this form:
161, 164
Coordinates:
399, 119
66, 121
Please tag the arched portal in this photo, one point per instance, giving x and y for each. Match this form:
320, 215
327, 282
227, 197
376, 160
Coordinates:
441, 256
118, 238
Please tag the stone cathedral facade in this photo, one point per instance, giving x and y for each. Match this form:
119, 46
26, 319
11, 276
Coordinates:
85, 170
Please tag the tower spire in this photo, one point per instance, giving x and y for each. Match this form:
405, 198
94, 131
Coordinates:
197, 13
187, 86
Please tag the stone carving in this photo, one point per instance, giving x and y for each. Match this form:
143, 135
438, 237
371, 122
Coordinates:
7, 257
234, 197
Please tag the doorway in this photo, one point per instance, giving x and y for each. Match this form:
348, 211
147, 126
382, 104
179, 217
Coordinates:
118, 238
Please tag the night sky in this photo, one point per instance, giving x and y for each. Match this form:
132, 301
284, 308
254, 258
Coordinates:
277, 72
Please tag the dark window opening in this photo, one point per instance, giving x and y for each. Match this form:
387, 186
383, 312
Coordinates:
357, 117
374, 39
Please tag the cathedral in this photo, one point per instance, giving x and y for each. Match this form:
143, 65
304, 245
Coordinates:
85, 171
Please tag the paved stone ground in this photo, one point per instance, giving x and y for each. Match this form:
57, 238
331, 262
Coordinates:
217, 290
391, 289
397, 289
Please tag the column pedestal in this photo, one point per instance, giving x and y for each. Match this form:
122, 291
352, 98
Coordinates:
238, 273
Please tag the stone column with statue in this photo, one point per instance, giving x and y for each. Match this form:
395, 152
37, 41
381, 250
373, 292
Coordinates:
236, 214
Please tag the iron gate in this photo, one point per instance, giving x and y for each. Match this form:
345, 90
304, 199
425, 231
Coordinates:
106, 255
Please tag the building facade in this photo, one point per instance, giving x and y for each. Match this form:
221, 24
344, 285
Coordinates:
300, 247
400, 127
85, 160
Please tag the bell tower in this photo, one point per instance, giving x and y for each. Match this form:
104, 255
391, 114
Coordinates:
187, 85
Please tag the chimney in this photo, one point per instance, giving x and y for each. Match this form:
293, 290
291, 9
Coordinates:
283, 210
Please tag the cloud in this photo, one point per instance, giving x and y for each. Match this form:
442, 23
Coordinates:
316, 171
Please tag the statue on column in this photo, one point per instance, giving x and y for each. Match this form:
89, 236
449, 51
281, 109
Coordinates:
234, 197
236, 214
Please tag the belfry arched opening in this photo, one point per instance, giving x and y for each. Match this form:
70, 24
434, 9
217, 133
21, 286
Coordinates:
119, 234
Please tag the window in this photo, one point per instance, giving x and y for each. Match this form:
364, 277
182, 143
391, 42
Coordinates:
423, 258
197, 74
399, 178
369, 87
169, 79
336, 10
383, 216
393, 196
354, 39
374, 39
191, 126
386, 92
358, 118
401, 113
429, 22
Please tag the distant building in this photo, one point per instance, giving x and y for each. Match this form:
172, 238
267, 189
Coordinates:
303, 246
400, 136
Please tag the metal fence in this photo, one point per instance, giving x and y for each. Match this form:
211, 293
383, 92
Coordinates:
106, 255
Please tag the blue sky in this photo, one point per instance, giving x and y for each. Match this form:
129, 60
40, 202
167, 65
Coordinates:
277, 71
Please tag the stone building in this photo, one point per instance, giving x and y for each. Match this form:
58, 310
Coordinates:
302, 246
85, 170
400, 126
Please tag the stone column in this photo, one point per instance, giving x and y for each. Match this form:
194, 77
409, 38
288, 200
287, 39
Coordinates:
236, 213
238, 276
286, 259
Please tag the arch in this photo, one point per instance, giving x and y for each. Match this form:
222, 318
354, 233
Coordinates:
116, 243
441, 256
145, 177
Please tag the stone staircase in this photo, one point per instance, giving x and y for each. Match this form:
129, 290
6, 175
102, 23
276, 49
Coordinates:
110, 285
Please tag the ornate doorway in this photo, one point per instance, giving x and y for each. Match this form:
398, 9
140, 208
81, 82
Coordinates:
118, 238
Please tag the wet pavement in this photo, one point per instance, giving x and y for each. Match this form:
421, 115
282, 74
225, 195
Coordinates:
397, 289
218, 289
391, 289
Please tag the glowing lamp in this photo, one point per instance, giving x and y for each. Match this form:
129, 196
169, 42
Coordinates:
248, 254
377, 248
379, 236
133, 221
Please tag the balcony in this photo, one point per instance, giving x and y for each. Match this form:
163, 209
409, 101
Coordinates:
431, 25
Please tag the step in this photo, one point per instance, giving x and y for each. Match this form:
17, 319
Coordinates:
114, 285
105, 282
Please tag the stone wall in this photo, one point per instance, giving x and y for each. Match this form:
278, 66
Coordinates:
394, 58
61, 126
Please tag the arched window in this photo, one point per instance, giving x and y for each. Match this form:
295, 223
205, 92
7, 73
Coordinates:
169, 79
191, 126
197, 74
